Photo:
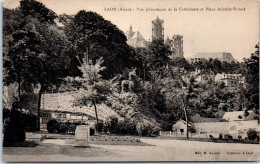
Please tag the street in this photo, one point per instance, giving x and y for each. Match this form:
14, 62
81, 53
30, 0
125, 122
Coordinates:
162, 150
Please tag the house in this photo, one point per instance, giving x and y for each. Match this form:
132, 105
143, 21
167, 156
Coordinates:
61, 106
199, 76
180, 128
233, 123
235, 116
230, 80
234, 128
65, 116
222, 56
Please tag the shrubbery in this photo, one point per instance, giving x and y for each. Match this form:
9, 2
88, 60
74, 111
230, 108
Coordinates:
14, 130
53, 126
92, 131
228, 136
251, 134
126, 127
29, 120
220, 136
146, 129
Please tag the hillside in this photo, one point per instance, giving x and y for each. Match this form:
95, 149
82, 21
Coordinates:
119, 105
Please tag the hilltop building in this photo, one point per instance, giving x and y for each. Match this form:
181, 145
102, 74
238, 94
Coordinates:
231, 80
135, 39
199, 76
222, 56
176, 46
157, 29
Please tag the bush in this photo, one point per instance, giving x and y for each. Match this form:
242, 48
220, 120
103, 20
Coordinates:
92, 131
227, 136
71, 129
146, 129
251, 134
52, 126
112, 123
100, 127
30, 122
62, 127
125, 127
220, 136
14, 128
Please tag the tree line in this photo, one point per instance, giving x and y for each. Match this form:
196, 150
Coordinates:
42, 50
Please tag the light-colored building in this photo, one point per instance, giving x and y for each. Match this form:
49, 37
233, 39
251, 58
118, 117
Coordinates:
199, 77
157, 29
135, 39
232, 123
64, 103
234, 128
64, 116
230, 80
176, 46
234, 116
180, 128
222, 56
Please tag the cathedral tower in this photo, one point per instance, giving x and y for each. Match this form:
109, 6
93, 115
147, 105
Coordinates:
177, 45
157, 29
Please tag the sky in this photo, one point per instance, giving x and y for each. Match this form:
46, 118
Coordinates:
206, 30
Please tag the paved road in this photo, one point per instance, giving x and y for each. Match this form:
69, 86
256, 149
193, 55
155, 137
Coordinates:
163, 150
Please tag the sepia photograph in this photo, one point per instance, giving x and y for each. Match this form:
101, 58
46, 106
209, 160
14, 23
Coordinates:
130, 80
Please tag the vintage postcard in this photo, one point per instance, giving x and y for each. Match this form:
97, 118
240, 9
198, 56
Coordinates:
130, 80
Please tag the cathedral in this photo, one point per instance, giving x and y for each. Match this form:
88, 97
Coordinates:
176, 46
136, 40
157, 29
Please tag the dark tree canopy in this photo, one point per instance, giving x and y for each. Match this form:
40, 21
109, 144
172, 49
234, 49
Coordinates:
37, 10
91, 34
252, 78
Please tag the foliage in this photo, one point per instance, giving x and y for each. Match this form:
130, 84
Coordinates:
112, 123
140, 84
35, 55
13, 128
252, 79
37, 10
217, 66
126, 127
30, 122
251, 134
93, 36
92, 132
146, 129
51, 126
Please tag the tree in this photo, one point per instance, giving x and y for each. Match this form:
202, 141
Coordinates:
158, 58
181, 96
94, 89
36, 55
37, 10
252, 78
94, 37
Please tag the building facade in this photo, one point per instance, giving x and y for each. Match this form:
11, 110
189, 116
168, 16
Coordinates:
231, 80
135, 39
157, 29
176, 46
222, 56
